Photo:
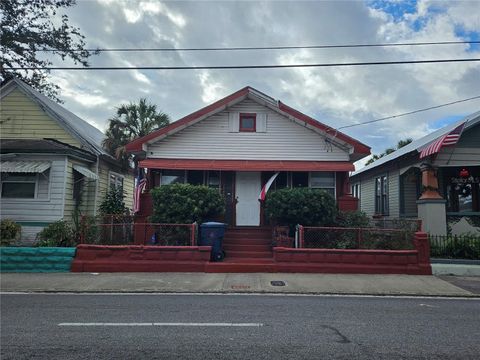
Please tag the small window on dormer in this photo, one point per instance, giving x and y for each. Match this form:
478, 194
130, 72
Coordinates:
248, 122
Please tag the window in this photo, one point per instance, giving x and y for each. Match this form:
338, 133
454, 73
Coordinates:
299, 179
356, 191
78, 181
381, 195
172, 177
19, 185
462, 191
195, 177
115, 180
248, 122
324, 180
213, 179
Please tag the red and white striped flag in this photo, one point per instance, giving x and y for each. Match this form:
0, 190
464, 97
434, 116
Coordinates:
265, 188
140, 181
445, 140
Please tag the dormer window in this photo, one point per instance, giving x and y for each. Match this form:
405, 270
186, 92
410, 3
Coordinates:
248, 123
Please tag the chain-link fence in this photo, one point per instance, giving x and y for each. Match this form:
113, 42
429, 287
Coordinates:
123, 230
354, 238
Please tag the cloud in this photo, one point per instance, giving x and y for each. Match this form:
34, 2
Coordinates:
336, 96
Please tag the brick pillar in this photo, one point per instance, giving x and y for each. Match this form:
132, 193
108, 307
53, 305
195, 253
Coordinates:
422, 245
431, 205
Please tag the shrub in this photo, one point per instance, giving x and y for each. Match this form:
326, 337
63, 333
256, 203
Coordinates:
352, 219
458, 247
185, 204
305, 206
10, 231
113, 202
57, 234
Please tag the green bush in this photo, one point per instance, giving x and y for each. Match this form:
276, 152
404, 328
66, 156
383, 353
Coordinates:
185, 204
113, 202
57, 234
305, 206
9, 232
352, 219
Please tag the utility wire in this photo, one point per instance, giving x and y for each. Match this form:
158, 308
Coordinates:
227, 67
407, 113
248, 48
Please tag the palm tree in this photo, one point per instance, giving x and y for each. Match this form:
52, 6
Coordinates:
129, 123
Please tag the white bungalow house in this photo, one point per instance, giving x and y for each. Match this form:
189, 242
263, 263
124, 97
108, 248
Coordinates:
52, 161
237, 143
441, 189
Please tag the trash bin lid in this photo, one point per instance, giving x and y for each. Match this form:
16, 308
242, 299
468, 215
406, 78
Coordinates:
212, 224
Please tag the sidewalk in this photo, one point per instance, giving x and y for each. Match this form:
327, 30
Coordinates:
407, 285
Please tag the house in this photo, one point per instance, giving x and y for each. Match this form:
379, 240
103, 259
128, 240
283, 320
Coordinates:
52, 162
441, 188
237, 143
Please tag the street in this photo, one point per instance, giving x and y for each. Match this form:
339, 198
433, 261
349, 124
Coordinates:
159, 326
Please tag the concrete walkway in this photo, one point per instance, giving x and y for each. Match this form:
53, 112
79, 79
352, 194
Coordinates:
233, 283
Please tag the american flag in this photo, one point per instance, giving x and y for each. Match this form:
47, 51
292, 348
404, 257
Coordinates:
140, 183
445, 140
269, 183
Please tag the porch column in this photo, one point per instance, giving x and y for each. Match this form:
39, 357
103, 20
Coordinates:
431, 205
345, 200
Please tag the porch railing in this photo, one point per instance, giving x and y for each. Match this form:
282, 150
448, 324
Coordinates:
353, 238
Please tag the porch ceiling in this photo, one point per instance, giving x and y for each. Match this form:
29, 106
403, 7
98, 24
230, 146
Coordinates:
246, 165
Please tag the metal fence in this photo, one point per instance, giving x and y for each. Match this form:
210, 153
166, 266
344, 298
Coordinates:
354, 238
123, 230
455, 247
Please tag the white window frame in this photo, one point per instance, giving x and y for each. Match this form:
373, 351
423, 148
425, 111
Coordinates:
23, 182
117, 175
329, 187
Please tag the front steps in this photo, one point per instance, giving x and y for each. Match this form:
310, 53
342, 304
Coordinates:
247, 249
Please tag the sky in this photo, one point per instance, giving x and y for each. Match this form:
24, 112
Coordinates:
335, 96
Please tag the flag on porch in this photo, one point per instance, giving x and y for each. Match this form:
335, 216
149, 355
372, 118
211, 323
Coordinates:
140, 182
265, 188
445, 140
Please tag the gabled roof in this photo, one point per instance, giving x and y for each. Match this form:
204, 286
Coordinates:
415, 147
357, 149
88, 135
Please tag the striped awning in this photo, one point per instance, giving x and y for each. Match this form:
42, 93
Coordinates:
85, 172
24, 166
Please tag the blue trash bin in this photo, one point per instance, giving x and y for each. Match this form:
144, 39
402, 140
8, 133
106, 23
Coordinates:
211, 234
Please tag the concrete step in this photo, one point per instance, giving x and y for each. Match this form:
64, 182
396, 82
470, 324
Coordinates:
245, 267
242, 247
248, 254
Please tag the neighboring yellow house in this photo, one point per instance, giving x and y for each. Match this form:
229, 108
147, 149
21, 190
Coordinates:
52, 162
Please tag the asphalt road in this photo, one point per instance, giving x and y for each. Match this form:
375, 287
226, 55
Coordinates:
155, 326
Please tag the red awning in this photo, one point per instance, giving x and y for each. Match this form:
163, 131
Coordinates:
246, 165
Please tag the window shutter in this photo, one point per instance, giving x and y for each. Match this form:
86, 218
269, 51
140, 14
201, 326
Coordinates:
233, 122
262, 122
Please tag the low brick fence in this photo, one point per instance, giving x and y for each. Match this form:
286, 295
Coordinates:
139, 258
36, 259
360, 261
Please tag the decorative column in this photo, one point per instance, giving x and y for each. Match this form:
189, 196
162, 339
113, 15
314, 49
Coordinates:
431, 205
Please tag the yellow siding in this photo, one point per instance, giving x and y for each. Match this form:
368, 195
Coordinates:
88, 196
104, 174
22, 118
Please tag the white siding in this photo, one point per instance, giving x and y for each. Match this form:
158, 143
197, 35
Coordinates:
212, 139
393, 194
367, 194
44, 209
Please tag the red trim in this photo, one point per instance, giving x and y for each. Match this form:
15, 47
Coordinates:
248, 115
358, 146
246, 165
136, 145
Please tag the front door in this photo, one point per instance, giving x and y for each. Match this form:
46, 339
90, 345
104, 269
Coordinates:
247, 189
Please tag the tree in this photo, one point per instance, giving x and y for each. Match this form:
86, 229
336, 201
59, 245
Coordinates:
28, 29
387, 151
131, 122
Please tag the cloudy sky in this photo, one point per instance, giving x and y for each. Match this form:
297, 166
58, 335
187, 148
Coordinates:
335, 96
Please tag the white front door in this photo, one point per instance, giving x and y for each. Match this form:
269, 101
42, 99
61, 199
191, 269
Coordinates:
247, 189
